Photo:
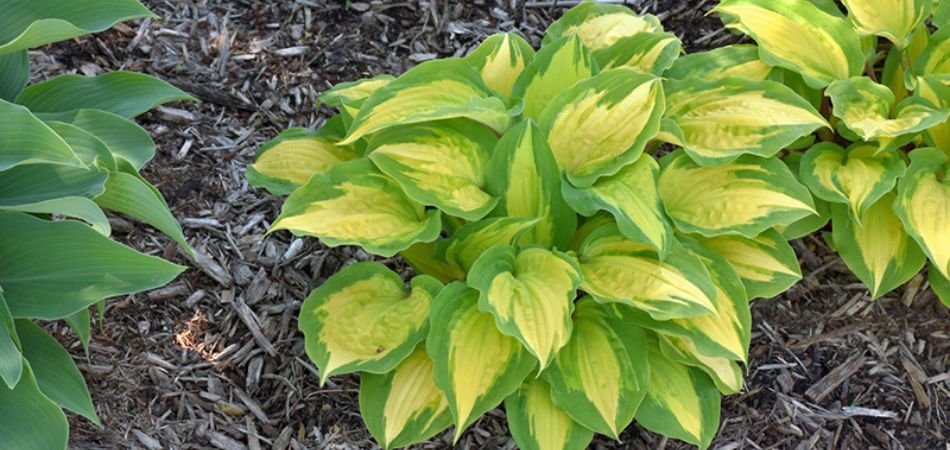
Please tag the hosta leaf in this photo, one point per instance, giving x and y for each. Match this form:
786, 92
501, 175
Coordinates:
56, 373
603, 123
37, 183
27, 140
923, 204
90, 149
631, 197
894, 20
810, 223
81, 323
936, 57
440, 89
474, 364
730, 61
404, 406
76, 207
600, 377
646, 52
616, 269
800, 36
531, 294
940, 285
726, 373
29, 420
439, 163
424, 259
857, 177
599, 25
712, 131
27, 26
877, 250
500, 59
289, 160
354, 203
941, 14
744, 197
681, 401
349, 96
936, 90
536, 423
124, 138
50, 270
865, 108
14, 74
524, 176
364, 319
125, 94
766, 263
11, 360
555, 68
471, 240
136, 198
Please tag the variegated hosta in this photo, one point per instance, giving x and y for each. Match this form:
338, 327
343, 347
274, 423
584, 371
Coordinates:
561, 267
880, 73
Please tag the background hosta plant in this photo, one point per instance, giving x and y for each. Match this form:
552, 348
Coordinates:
564, 267
68, 151
880, 74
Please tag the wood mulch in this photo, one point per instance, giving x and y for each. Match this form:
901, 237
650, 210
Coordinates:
214, 359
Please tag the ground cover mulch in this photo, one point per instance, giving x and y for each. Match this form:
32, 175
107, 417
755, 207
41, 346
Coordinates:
214, 359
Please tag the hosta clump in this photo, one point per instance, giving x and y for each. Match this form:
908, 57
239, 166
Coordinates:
68, 151
881, 76
561, 268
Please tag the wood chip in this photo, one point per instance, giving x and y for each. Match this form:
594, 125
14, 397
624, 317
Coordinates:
833, 379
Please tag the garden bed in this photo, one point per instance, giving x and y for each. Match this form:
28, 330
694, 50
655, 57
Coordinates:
215, 359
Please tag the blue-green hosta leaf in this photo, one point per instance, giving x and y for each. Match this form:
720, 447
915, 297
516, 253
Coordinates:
440, 163
28, 419
364, 319
37, 183
500, 59
923, 204
894, 20
645, 51
289, 160
404, 406
75, 207
554, 68
857, 176
710, 129
354, 203
800, 36
14, 74
864, 107
531, 294
600, 377
599, 25
125, 139
536, 423
441, 89
737, 60
50, 270
474, 364
631, 197
90, 149
877, 250
524, 176
81, 323
11, 360
766, 263
25, 139
136, 198
126, 94
603, 123
747, 196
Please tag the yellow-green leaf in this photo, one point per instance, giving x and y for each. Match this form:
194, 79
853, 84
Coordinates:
424, 259
936, 90
936, 57
800, 36
555, 68
864, 107
892, 19
747, 196
603, 123
600, 377
404, 406
877, 250
531, 294
440, 89
524, 176
940, 285
440, 163
719, 120
472, 239
474, 364
631, 197
356, 204
364, 319
600, 25
616, 269
857, 177
350, 96
737, 60
766, 263
536, 423
726, 373
647, 52
923, 204
500, 59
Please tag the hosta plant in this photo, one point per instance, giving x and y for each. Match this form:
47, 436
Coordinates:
68, 151
563, 267
880, 74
